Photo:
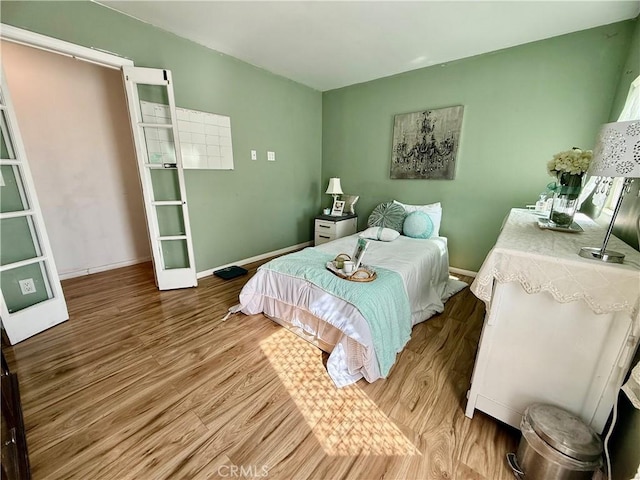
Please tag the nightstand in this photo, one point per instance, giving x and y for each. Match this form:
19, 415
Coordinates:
329, 228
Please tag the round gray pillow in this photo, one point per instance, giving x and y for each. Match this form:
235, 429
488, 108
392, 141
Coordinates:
387, 215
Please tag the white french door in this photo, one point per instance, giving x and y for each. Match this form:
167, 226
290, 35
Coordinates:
32, 298
161, 175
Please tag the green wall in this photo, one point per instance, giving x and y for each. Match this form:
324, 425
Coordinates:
521, 106
258, 207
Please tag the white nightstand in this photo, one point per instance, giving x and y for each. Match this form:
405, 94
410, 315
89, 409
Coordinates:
329, 228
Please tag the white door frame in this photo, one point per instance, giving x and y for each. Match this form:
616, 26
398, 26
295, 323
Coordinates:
61, 47
54, 45
91, 55
57, 309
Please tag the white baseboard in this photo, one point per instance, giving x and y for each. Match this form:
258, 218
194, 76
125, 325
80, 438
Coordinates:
102, 268
461, 271
257, 258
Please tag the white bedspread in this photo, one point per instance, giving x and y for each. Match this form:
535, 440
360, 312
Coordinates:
423, 266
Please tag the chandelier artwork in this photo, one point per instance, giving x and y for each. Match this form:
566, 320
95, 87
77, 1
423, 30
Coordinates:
425, 144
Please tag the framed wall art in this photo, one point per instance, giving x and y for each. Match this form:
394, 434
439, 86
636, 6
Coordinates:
338, 207
425, 144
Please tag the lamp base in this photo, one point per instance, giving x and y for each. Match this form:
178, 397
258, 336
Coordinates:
604, 256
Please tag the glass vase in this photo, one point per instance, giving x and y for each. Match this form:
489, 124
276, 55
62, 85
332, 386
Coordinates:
565, 200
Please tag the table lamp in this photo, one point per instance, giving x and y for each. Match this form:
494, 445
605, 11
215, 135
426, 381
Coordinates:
617, 154
334, 188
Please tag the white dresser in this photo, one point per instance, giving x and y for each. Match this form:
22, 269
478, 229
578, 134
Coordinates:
559, 328
329, 228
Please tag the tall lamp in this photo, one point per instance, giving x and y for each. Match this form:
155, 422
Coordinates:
334, 188
617, 154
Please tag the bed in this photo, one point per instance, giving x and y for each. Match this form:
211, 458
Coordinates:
336, 324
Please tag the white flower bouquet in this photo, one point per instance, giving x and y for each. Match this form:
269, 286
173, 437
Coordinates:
574, 162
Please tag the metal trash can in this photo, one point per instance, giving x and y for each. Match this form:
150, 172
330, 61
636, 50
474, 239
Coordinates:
555, 445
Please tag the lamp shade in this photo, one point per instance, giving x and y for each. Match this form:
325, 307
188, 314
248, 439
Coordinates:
334, 187
617, 151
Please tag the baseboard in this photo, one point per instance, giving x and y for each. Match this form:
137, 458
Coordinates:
257, 258
461, 271
102, 268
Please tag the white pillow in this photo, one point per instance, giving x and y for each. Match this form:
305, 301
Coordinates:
380, 233
434, 210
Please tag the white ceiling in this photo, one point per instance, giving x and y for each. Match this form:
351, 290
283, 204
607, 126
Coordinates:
328, 45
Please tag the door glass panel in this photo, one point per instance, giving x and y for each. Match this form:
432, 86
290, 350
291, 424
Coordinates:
170, 220
165, 184
161, 147
6, 148
175, 254
10, 283
155, 94
12, 198
16, 241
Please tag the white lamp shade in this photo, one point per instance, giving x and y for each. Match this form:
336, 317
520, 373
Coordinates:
334, 187
617, 151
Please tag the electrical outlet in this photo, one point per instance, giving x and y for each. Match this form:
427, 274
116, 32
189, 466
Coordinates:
27, 286
271, 156
254, 155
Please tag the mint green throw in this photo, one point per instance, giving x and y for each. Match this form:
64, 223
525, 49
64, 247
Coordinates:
383, 302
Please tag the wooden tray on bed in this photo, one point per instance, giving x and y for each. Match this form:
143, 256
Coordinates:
363, 274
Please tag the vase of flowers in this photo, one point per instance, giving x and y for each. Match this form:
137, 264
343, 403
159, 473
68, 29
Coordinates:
569, 168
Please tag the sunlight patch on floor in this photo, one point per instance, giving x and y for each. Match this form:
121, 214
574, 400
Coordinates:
345, 421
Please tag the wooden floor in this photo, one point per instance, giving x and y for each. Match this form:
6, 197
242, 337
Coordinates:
142, 384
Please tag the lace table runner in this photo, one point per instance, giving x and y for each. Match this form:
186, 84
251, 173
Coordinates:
547, 261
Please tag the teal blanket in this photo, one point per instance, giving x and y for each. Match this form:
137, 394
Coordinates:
383, 302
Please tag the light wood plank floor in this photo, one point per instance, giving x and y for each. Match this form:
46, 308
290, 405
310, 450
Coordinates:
142, 384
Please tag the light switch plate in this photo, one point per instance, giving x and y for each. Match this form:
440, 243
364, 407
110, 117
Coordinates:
271, 156
254, 155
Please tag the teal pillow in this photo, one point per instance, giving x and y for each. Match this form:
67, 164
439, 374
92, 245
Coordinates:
418, 225
387, 215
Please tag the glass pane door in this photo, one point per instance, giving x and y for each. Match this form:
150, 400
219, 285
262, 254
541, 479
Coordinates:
160, 166
32, 298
